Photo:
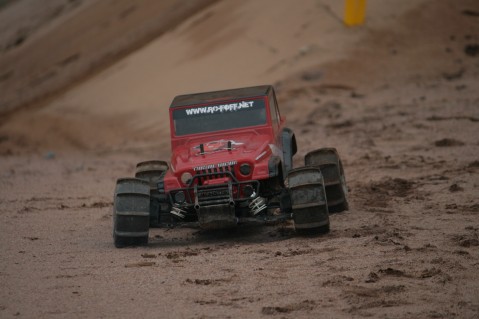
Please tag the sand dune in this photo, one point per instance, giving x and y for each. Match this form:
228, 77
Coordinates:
227, 44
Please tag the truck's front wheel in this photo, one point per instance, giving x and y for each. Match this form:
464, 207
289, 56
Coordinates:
309, 205
131, 212
328, 161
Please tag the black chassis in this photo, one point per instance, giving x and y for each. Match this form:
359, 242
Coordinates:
213, 206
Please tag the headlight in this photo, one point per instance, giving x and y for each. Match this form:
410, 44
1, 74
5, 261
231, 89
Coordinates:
186, 178
245, 169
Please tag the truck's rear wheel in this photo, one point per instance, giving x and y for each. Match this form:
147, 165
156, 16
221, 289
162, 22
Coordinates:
328, 161
309, 205
151, 172
131, 212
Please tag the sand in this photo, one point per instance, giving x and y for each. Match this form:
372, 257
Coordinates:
397, 97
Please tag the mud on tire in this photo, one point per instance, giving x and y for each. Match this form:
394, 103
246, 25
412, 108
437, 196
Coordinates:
131, 212
310, 209
328, 161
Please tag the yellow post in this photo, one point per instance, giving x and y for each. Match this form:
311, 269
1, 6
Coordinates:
354, 12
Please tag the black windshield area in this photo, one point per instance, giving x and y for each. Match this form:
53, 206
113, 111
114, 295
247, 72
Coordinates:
219, 116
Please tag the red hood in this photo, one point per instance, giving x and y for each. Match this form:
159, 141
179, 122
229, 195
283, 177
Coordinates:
244, 147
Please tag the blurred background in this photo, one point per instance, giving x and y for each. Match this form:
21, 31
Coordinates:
90, 74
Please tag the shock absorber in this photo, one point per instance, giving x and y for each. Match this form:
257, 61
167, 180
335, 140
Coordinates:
257, 205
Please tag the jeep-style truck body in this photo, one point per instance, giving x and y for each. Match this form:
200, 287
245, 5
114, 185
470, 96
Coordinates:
228, 147
230, 156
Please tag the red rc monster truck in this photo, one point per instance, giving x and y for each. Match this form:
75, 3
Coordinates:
231, 163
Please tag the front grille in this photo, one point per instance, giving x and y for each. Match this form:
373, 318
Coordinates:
231, 190
213, 173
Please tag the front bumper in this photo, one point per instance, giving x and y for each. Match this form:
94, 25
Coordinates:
220, 216
198, 193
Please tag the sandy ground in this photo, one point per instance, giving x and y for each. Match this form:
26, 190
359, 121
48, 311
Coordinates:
398, 98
